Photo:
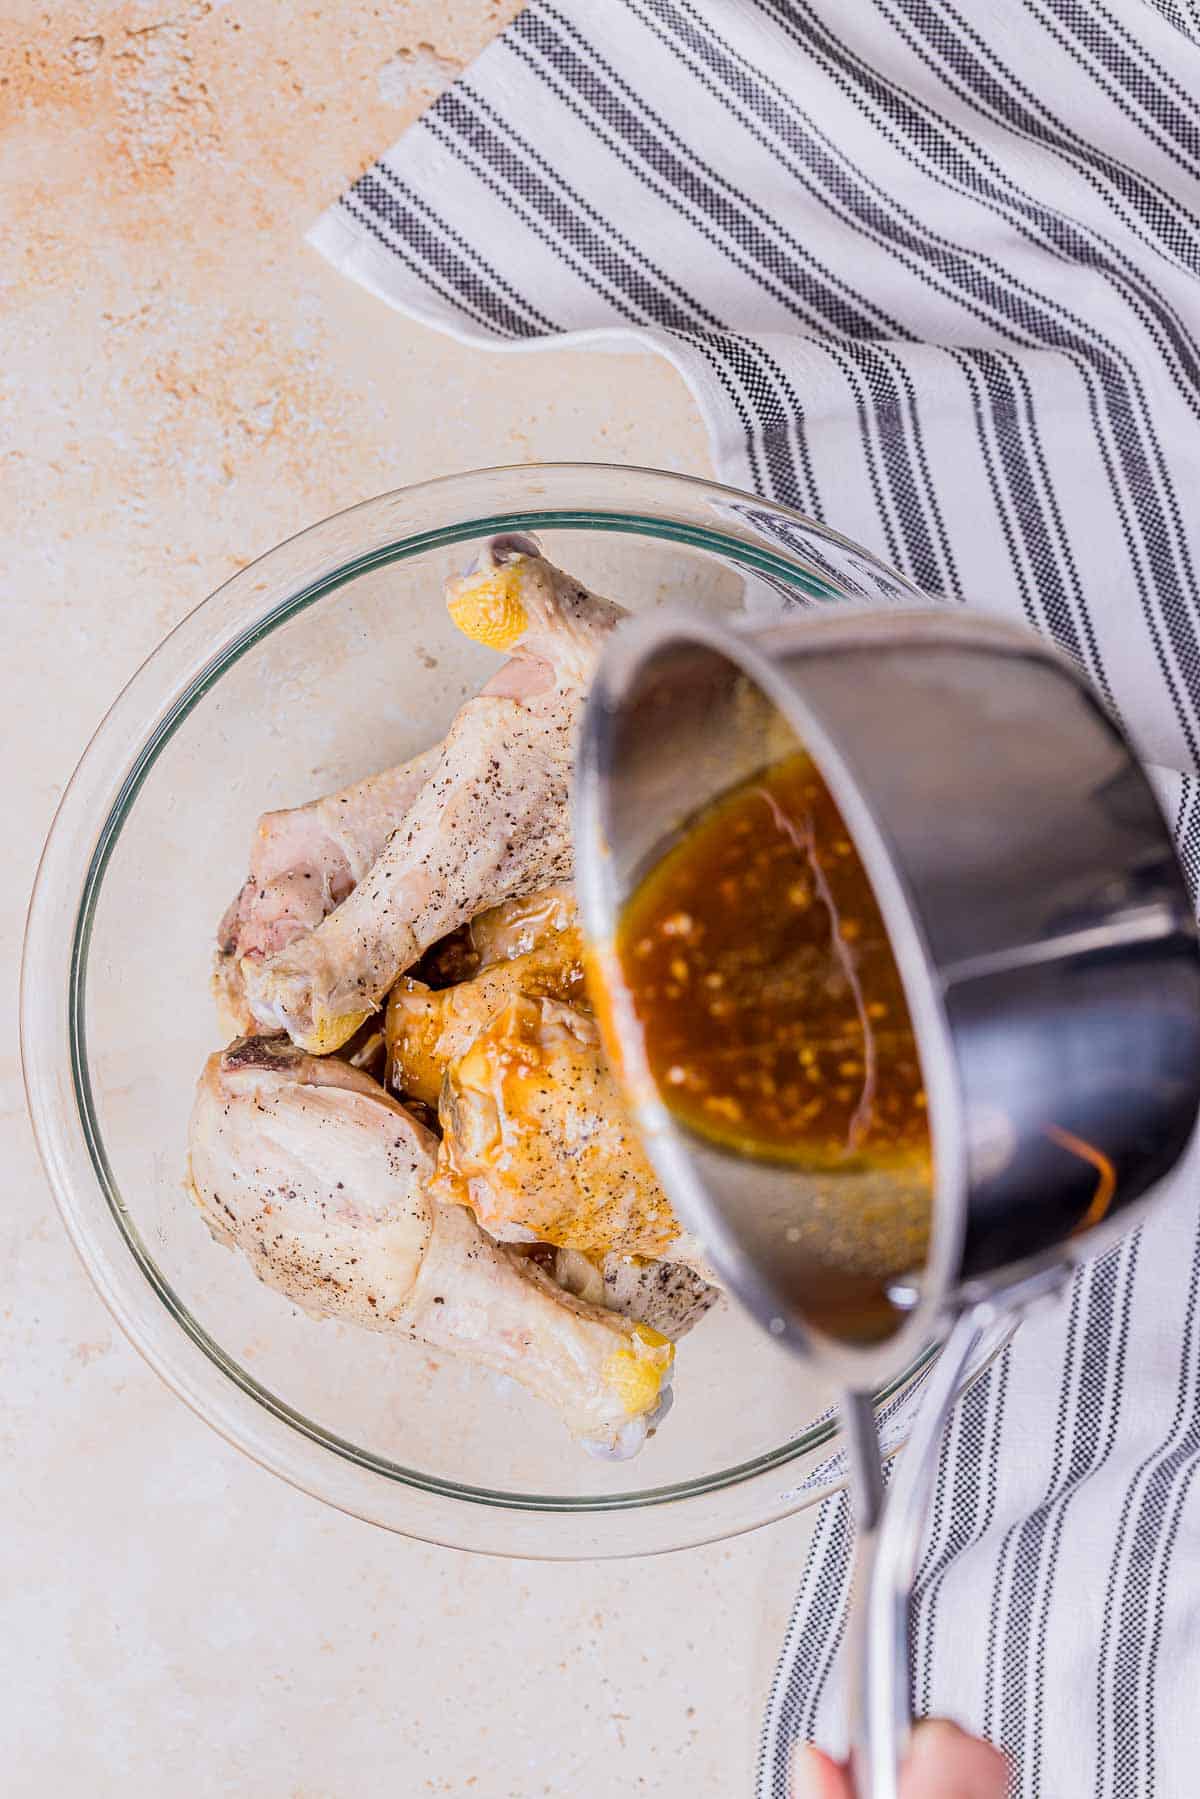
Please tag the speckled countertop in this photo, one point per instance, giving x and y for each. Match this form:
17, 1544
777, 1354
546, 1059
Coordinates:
183, 383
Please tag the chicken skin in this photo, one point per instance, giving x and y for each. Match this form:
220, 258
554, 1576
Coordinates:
537, 1140
520, 925
490, 823
322, 1180
531, 949
427, 1030
303, 863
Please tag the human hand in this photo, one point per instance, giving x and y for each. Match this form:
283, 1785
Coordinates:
943, 1763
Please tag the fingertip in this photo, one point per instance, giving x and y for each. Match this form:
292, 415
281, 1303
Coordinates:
816, 1776
944, 1759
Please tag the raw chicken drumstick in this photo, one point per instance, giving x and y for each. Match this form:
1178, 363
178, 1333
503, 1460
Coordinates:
491, 822
321, 1179
537, 1138
305, 860
303, 863
538, 1141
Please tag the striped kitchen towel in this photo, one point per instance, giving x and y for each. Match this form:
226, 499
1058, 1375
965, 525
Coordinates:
931, 269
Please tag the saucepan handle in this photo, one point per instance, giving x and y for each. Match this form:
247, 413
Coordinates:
887, 1541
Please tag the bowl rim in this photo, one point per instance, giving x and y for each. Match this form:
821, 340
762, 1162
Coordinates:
167, 686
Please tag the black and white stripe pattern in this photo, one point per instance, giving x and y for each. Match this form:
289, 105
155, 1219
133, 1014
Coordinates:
931, 269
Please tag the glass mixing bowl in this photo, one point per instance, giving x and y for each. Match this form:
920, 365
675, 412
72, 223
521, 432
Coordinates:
329, 657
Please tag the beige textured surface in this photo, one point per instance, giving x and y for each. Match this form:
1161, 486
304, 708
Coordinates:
184, 383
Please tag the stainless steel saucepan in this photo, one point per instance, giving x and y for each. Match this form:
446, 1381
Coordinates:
1048, 951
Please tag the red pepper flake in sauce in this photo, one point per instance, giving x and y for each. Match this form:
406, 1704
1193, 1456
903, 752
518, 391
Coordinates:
772, 1012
